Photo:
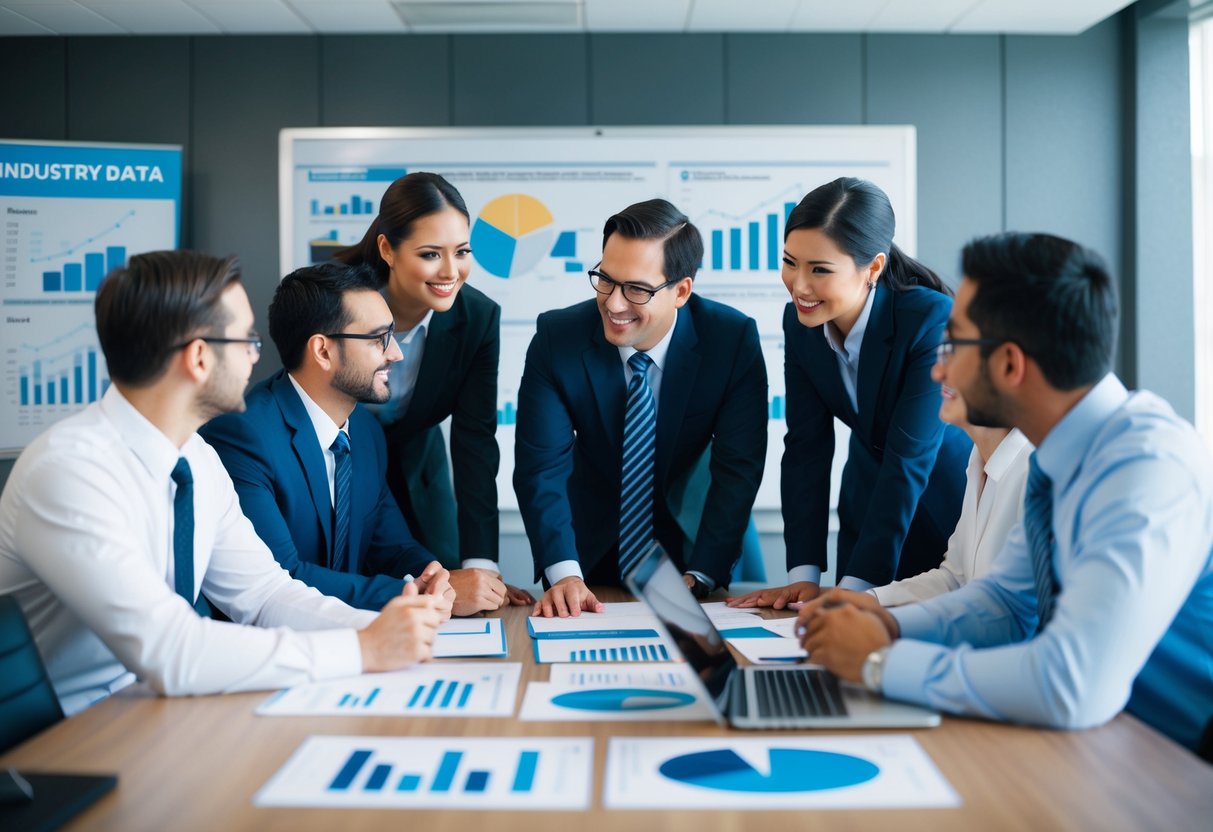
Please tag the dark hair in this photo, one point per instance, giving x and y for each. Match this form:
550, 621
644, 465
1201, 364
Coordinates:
405, 201
857, 216
311, 301
657, 219
1052, 297
159, 300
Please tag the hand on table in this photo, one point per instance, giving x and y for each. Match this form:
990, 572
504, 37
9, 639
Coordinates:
403, 632
436, 580
477, 590
569, 596
841, 635
777, 597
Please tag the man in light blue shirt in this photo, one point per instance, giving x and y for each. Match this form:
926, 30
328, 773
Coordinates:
1103, 597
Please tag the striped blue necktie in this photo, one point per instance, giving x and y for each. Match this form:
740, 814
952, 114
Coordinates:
341, 501
183, 530
1038, 529
639, 444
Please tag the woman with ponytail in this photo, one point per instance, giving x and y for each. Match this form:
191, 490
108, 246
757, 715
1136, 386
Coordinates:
860, 337
449, 334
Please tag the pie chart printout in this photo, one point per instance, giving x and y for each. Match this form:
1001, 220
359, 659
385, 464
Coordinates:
791, 770
623, 699
512, 234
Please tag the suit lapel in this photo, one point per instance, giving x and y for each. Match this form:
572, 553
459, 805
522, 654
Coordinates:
307, 451
364, 470
874, 356
677, 378
440, 341
828, 377
604, 374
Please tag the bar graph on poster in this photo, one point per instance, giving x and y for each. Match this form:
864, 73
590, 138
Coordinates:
538, 199
72, 213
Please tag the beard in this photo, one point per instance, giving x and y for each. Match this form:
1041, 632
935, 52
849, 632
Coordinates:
222, 393
361, 388
984, 406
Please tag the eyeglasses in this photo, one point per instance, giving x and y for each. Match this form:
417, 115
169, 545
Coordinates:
632, 292
384, 338
252, 344
943, 353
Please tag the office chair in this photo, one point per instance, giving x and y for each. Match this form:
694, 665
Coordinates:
27, 700
1205, 749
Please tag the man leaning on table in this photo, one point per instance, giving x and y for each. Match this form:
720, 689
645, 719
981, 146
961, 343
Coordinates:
1103, 597
115, 519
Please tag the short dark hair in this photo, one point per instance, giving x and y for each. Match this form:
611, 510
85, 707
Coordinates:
1052, 297
410, 198
310, 301
657, 219
157, 301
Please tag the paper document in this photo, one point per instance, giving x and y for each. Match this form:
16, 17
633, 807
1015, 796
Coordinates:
435, 773
549, 650
769, 650
548, 702
791, 772
447, 689
462, 638
647, 675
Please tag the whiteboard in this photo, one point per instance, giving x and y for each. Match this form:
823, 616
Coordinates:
538, 198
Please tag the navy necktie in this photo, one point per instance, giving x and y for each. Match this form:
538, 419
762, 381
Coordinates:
1038, 529
183, 531
639, 444
341, 501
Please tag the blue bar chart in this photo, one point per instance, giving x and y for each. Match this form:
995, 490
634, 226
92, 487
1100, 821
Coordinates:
67, 370
507, 414
355, 205
435, 772
748, 245
562, 649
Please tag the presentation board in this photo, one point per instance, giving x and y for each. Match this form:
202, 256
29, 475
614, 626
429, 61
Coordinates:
538, 199
72, 212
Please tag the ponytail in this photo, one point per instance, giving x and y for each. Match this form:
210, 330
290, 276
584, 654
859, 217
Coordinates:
901, 271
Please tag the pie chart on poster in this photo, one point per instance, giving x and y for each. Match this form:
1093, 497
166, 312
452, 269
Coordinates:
622, 699
512, 234
791, 770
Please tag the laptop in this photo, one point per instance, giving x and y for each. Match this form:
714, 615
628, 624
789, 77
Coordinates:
758, 697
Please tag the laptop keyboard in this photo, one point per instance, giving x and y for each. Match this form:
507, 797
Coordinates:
798, 693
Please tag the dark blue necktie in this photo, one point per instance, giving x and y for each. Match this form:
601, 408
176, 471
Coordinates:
1038, 529
639, 444
183, 531
341, 500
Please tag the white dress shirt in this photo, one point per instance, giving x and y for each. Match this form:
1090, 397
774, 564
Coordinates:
326, 433
565, 568
985, 521
402, 374
86, 542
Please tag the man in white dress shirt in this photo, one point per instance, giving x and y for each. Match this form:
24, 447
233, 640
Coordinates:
115, 519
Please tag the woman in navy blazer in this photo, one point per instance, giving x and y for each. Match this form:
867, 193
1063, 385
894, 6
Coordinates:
859, 342
419, 246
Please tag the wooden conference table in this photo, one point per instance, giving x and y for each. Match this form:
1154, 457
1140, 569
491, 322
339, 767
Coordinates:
195, 763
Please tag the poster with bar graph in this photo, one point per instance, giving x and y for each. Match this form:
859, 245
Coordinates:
538, 198
72, 213
442, 689
465, 773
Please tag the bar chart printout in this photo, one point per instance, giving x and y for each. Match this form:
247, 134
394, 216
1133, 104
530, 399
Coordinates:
448, 689
435, 773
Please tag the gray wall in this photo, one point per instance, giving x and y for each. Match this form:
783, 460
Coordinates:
1032, 133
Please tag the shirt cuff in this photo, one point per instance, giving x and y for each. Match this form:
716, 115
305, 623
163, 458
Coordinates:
481, 563
856, 584
335, 653
559, 571
905, 667
913, 622
706, 580
809, 574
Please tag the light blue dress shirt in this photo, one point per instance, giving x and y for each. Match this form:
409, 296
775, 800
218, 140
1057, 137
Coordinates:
1133, 621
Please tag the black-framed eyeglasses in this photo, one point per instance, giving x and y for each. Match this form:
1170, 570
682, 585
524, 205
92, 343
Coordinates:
632, 292
943, 353
384, 338
252, 344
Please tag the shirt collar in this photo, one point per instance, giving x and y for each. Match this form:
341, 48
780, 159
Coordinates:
1005, 454
850, 346
1062, 451
149, 444
659, 350
326, 429
418, 331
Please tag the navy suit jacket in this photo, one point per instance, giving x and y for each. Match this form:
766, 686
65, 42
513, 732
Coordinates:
904, 479
457, 378
569, 439
277, 465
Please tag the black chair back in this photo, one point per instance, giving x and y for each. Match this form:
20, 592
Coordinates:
27, 700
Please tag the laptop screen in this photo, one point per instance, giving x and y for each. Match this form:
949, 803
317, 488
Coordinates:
657, 581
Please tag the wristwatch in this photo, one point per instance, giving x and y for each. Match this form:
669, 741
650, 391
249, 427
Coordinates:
698, 588
873, 669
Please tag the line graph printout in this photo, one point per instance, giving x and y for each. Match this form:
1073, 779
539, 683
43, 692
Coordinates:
71, 214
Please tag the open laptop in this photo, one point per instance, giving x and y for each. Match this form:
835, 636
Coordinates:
758, 697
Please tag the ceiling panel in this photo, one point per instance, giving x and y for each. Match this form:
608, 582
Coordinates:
64, 17
636, 15
724, 16
937, 16
153, 17
831, 16
251, 16
369, 16
12, 23
1061, 17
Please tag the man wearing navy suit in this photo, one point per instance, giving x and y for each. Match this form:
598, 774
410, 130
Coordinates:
309, 463
621, 396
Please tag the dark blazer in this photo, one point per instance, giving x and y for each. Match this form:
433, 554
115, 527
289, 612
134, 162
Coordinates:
457, 378
905, 473
277, 465
571, 402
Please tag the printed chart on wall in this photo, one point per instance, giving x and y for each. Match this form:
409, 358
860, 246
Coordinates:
538, 200
72, 213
